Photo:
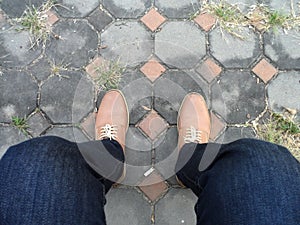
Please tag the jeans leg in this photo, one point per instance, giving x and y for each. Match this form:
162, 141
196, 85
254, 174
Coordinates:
249, 182
47, 181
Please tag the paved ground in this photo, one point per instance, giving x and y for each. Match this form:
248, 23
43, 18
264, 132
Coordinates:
166, 55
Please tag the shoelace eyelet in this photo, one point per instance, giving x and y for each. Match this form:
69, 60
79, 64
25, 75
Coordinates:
193, 135
107, 131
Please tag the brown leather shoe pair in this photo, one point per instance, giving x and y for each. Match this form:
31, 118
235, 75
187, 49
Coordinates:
193, 122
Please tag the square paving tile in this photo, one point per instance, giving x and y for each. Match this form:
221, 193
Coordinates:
153, 186
217, 126
52, 18
209, 70
153, 69
99, 19
265, 70
92, 68
37, 124
153, 19
153, 125
206, 21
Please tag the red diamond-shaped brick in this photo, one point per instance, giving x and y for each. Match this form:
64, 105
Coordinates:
52, 18
153, 125
217, 126
153, 19
153, 186
97, 63
205, 21
265, 70
88, 125
209, 70
153, 69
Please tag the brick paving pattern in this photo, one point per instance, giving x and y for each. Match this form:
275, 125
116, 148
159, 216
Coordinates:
166, 52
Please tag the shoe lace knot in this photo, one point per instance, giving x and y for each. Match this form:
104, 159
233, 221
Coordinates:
107, 131
193, 135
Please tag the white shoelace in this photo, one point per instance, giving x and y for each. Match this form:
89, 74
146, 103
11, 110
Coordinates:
193, 135
108, 131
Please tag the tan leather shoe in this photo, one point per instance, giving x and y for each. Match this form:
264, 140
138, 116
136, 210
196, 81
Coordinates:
193, 122
112, 120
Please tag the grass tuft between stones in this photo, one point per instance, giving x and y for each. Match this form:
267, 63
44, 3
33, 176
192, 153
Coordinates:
20, 123
35, 20
56, 70
108, 75
281, 129
231, 19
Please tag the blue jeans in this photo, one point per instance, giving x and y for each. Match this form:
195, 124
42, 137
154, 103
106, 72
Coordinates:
47, 181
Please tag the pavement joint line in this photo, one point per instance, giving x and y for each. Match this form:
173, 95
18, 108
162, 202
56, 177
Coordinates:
29, 64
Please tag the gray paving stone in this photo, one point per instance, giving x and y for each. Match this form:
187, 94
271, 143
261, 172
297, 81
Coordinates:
100, 97
237, 97
284, 92
178, 9
136, 141
41, 69
140, 101
9, 136
243, 5
126, 207
134, 174
176, 208
76, 8
126, 8
18, 95
15, 8
283, 6
177, 49
62, 99
138, 93
283, 48
16, 48
166, 153
127, 42
138, 156
99, 19
76, 47
172, 181
37, 124
235, 133
73, 134
171, 88
233, 52
138, 149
